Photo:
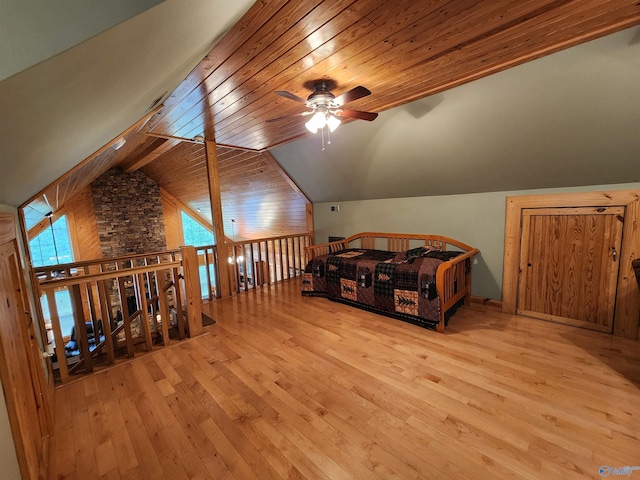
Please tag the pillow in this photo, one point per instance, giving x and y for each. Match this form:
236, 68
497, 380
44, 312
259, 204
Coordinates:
410, 255
414, 253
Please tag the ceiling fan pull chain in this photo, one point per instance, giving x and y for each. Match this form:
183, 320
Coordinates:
323, 139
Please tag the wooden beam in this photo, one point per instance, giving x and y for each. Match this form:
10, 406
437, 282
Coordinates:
156, 147
193, 140
213, 175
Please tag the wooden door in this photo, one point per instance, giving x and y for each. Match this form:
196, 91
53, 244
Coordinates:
569, 265
19, 368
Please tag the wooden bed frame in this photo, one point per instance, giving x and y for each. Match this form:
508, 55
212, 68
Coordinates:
453, 278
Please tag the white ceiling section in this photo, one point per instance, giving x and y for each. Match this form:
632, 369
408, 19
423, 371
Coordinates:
568, 119
58, 112
32, 30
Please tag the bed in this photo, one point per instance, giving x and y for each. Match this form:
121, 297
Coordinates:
421, 279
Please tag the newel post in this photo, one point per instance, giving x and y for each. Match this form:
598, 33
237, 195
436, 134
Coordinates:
193, 299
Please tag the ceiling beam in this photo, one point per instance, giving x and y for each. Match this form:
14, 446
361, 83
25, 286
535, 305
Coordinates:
155, 149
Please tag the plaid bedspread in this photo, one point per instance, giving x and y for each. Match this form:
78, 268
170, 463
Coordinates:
399, 283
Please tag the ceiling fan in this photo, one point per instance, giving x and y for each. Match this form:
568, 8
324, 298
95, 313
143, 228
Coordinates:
325, 108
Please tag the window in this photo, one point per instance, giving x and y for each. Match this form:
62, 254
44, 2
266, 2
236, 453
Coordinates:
45, 252
65, 312
194, 233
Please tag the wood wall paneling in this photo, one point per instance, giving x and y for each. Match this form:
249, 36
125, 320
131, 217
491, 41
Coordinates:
83, 227
172, 220
254, 190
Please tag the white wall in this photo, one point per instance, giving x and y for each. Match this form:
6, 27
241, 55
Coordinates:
9, 469
476, 219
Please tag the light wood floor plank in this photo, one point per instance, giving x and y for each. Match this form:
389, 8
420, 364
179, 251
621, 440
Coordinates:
290, 387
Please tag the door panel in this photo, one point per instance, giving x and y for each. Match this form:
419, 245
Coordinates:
19, 379
569, 265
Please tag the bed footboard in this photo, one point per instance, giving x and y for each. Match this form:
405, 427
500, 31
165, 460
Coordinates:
453, 282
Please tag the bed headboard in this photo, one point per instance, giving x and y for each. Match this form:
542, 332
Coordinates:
393, 242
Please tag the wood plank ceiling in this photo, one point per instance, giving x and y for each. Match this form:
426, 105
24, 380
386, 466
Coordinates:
402, 50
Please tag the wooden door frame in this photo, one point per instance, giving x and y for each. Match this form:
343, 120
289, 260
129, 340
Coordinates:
9, 236
627, 312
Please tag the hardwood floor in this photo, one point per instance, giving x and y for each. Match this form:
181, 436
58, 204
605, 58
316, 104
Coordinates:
289, 387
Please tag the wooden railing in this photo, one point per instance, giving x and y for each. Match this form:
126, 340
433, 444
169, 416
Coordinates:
119, 305
253, 263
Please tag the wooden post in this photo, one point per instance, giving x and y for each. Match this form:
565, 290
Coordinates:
177, 302
141, 290
164, 309
192, 290
103, 297
216, 215
57, 335
309, 212
122, 290
81, 328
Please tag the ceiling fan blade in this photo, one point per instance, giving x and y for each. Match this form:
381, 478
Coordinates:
290, 96
351, 95
369, 116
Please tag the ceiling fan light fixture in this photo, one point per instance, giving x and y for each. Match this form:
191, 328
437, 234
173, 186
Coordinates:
320, 119
311, 126
333, 122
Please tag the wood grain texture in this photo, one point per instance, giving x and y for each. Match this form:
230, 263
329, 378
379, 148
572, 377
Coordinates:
83, 228
253, 190
569, 268
21, 368
215, 202
626, 321
401, 51
172, 220
285, 387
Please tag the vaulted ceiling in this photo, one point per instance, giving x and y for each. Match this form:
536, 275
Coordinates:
403, 51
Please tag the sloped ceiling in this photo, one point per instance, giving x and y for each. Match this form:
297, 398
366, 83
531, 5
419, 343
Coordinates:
560, 120
58, 112
568, 119
32, 31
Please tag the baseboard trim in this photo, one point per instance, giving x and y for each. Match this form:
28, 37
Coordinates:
487, 301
